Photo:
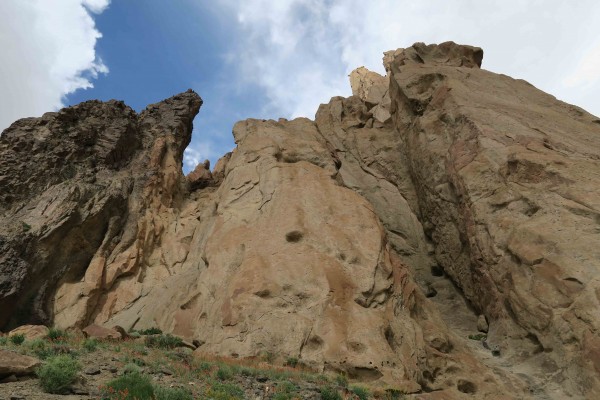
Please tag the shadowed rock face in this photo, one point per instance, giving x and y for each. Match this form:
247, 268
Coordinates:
374, 240
72, 190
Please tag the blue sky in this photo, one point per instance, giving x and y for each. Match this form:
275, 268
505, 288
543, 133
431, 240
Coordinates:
155, 50
271, 59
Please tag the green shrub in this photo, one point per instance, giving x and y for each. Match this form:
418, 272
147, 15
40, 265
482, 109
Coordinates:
56, 335
3, 340
361, 392
163, 341
133, 386
224, 373
291, 362
330, 393
17, 339
150, 331
58, 373
341, 381
90, 344
225, 391
163, 393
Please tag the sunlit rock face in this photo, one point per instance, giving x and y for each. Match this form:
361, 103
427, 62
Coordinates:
438, 200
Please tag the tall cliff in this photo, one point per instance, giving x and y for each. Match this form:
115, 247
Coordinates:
437, 200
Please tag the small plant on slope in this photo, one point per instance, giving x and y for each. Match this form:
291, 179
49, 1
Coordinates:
57, 374
17, 339
132, 386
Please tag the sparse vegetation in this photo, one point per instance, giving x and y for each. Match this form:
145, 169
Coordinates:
163, 341
341, 381
330, 393
225, 391
150, 331
41, 349
56, 335
285, 390
268, 356
3, 340
361, 392
90, 344
393, 394
224, 373
163, 393
132, 386
291, 362
58, 374
151, 368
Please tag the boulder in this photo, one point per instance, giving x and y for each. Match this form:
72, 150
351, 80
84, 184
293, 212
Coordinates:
12, 363
482, 324
30, 331
201, 176
100, 332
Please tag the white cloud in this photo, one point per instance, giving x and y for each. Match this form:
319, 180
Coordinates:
47, 53
300, 51
197, 152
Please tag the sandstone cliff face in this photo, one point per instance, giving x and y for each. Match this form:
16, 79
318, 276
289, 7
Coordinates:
372, 241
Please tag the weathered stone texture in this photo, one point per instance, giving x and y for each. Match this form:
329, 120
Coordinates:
438, 201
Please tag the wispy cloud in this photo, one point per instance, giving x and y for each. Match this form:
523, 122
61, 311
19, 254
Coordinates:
48, 51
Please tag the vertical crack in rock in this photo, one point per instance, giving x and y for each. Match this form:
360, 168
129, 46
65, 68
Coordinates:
438, 201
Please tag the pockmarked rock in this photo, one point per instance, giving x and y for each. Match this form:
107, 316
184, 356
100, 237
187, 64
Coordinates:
437, 201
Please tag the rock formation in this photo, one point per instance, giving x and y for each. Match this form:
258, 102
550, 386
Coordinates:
438, 200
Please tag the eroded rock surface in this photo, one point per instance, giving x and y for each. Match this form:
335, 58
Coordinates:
74, 184
438, 201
